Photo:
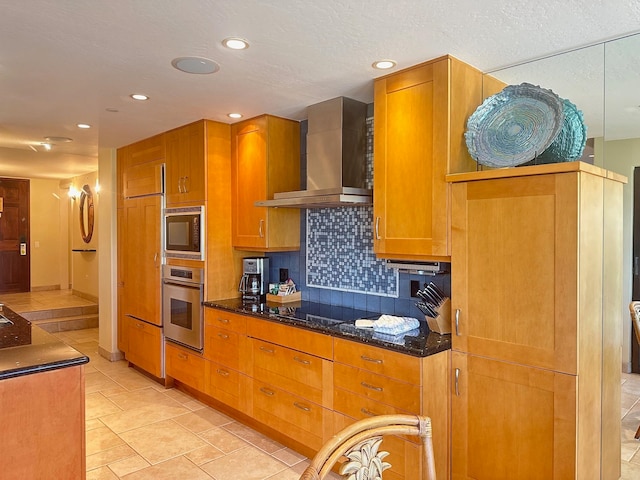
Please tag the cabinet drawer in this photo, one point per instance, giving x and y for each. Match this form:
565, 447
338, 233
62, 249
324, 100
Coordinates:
222, 346
317, 344
378, 360
185, 366
291, 370
298, 418
227, 385
227, 320
355, 406
404, 396
145, 346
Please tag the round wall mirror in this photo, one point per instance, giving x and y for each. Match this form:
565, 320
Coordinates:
86, 213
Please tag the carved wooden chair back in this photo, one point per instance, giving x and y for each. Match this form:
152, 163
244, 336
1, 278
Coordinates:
360, 443
634, 310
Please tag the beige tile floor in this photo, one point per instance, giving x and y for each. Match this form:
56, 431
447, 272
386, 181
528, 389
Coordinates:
45, 300
137, 429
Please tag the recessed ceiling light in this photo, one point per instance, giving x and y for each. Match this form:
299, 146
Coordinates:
139, 96
197, 65
234, 115
383, 64
235, 43
83, 125
51, 139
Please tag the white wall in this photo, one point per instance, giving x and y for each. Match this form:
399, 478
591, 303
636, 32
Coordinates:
45, 240
621, 156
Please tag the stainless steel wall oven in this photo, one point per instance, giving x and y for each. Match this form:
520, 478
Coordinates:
182, 310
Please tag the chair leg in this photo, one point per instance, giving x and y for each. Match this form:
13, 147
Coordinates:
637, 436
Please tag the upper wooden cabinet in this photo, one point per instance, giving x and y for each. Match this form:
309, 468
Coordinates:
420, 117
265, 153
185, 170
139, 166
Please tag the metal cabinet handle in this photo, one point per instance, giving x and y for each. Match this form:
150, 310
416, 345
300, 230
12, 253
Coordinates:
268, 392
139, 325
180, 185
223, 320
301, 406
260, 229
377, 228
267, 350
223, 336
457, 322
372, 360
186, 184
182, 356
302, 361
371, 387
222, 373
457, 385
367, 412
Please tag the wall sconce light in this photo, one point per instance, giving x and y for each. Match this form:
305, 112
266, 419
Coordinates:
97, 187
74, 193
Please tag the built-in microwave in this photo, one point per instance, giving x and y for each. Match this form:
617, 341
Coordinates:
184, 233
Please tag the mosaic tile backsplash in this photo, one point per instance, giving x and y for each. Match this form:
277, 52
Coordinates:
340, 253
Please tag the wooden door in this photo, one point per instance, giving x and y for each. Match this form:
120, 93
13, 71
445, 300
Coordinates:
142, 259
185, 169
511, 421
15, 257
410, 161
515, 254
249, 183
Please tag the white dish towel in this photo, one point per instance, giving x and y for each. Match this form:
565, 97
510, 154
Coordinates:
390, 324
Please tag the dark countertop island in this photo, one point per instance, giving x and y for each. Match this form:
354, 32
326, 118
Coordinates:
26, 349
339, 322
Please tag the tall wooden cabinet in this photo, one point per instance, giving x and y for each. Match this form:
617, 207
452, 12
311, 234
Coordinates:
265, 154
533, 343
420, 117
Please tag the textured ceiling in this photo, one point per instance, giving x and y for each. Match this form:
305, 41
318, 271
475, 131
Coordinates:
63, 62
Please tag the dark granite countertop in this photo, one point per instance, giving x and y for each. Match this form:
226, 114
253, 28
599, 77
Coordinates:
340, 322
27, 349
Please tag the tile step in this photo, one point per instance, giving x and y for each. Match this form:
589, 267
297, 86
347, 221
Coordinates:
58, 313
64, 324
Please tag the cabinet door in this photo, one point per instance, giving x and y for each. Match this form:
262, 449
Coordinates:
515, 251
510, 421
185, 366
248, 180
142, 258
410, 161
185, 172
145, 346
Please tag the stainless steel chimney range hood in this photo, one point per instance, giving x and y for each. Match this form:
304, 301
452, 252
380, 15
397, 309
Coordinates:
336, 158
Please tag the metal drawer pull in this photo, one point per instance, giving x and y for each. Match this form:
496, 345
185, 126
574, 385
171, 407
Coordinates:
223, 373
139, 325
223, 320
267, 350
372, 360
457, 384
182, 356
223, 336
301, 406
457, 322
377, 228
260, 231
302, 361
367, 412
266, 391
372, 387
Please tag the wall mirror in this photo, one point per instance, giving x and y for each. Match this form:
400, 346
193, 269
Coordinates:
86, 213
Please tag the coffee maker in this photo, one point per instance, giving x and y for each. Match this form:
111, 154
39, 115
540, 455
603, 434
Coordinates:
254, 283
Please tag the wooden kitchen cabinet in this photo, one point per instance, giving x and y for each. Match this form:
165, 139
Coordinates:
146, 343
185, 365
142, 258
533, 341
420, 118
265, 154
186, 170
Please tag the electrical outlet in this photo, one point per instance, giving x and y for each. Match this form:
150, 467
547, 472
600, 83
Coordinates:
415, 286
284, 275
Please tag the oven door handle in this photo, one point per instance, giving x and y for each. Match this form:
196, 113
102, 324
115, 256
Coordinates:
177, 283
